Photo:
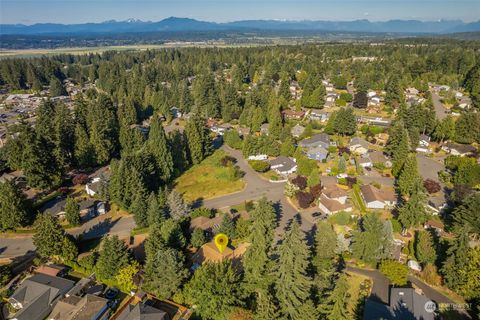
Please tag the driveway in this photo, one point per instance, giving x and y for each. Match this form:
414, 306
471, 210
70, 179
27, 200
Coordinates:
440, 110
429, 167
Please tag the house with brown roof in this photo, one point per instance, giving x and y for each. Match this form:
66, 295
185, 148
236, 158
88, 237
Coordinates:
293, 115
88, 307
210, 253
334, 192
330, 206
381, 198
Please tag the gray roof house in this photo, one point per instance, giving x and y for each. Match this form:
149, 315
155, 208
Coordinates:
297, 130
321, 139
283, 165
88, 307
142, 311
37, 295
405, 304
318, 153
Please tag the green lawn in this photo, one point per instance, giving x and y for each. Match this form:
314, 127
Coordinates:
209, 179
359, 288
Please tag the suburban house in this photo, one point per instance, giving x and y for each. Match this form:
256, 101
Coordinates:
334, 192
321, 139
264, 129
283, 165
89, 307
56, 207
92, 187
221, 129
434, 225
378, 198
333, 199
423, 143
374, 101
208, 225
318, 153
210, 253
297, 130
175, 112
436, 203
404, 303
378, 157
459, 149
364, 161
358, 145
293, 115
318, 115
258, 157
36, 296
142, 310
243, 132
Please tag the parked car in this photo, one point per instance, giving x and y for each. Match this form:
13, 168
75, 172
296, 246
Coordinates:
111, 293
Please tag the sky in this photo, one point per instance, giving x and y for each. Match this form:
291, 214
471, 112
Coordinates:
80, 11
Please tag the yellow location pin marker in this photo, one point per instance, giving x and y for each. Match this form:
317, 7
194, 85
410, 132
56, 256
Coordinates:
221, 242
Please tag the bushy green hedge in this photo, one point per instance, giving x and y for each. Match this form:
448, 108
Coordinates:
259, 165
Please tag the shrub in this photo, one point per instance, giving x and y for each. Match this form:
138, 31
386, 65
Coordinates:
351, 181
259, 165
304, 199
431, 186
342, 181
396, 225
300, 182
81, 178
202, 212
341, 218
227, 160
316, 190
198, 238
431, 276
395, 271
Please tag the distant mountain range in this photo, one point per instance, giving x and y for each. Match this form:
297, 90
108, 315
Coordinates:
174, 24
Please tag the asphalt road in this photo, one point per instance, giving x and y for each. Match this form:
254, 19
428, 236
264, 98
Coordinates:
256, 188
440, 110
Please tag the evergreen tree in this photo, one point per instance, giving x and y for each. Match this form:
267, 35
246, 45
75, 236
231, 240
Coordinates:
178, 147
468, 214
178, 209
198, 238
287, 148
292, 285
227, 226
155, 212
113, 257
50, 239
345, 122
158, 147
172, 234
198, 141
324, 257
371, 244
335, 306
256, 259
217, 299
457, 257
400, 153
139, 208
424, 247
164, 272
56, 88
413, 212
84, 153
72, 211
14, 211
409, 181
265, 308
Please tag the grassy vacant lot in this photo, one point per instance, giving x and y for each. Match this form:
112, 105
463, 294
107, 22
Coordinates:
209, 179
359, 289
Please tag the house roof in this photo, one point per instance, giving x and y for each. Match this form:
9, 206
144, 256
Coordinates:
370, 193
142, 311
318, 149
51, 270
284, 163
79, 308
206, 223
424, 137
462, 148
359, 141
37, 293
435, 224
209, 252
316, 139
332, 205
333, 191
291, 113
377, 156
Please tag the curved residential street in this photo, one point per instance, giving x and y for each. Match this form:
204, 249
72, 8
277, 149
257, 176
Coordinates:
256, 188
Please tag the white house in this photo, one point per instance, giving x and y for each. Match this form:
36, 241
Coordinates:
358, 146
330, 206
378, 198
364, 161
283, 165
258, 157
